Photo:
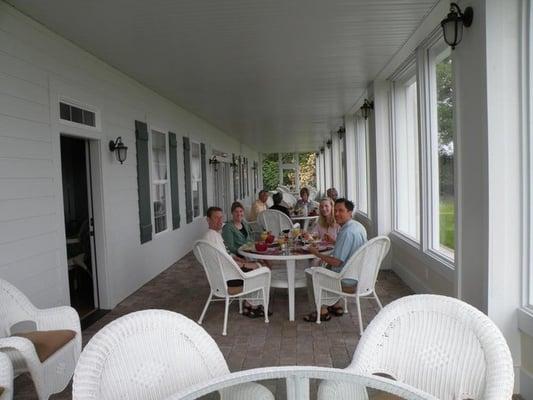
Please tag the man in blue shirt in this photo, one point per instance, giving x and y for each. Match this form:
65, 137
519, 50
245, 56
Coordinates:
350, 238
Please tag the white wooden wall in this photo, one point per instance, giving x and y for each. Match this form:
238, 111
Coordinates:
36, 68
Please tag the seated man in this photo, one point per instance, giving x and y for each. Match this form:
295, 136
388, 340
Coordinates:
277, 198
332, 193
215, 220
351, 236
259, 205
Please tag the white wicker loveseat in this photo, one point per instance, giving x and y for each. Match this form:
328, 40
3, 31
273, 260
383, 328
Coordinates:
6, 378
50, 352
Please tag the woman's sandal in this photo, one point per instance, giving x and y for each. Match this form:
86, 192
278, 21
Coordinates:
336, 311
250, 312
311, 317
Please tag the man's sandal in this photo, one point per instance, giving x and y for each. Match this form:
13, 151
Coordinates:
311, 317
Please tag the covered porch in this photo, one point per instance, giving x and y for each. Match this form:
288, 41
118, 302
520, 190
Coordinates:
122, 123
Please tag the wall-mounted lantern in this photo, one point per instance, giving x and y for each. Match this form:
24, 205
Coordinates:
234, 162
341, 131
322, 150
452, 25
214, 162
120, 150
328, 143
366, 108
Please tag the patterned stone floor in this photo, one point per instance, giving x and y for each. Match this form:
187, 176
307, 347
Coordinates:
250, 343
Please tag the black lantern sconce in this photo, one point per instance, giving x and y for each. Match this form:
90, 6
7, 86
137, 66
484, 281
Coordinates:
452, 25
328, 143
254, 166
234, 162
214, 162
366, 108
322, 150
341, 132
120, 150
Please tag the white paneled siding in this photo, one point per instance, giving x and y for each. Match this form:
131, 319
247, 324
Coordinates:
37, 68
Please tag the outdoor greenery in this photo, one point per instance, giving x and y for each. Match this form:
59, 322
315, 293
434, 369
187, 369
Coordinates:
445, 106
447, 224
271, 172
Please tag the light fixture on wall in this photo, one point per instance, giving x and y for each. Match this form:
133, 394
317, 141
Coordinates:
341, 131
233, 162
366, 108
452, 25
254, 166
322, 150
120, 150
214, 162
328, 143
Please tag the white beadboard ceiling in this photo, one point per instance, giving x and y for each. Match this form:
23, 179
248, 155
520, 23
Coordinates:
276, 74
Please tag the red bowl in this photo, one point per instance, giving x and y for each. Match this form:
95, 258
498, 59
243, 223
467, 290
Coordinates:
260, 246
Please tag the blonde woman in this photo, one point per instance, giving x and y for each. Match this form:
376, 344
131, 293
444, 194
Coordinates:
326, 227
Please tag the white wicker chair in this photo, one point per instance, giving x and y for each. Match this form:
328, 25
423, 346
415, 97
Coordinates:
220, 268
288, 200
363, 267
150, 354
52, 375
437, 344
274, 221
6, 378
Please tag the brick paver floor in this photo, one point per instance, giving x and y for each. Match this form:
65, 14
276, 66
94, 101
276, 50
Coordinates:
250, 343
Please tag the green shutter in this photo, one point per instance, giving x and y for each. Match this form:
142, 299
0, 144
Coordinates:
187, 172
174, 192
204, 177
143, 181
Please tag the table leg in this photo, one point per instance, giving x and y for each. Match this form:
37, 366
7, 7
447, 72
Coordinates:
291, 265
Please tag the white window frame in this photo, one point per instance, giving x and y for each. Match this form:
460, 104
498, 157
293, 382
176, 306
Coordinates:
200, 191
165, 182
362, 190
432, 243
403, 75
526, 315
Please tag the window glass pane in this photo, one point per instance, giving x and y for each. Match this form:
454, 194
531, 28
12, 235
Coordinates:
270, 171
160, 208
445, 152
196, 178
159, 156
159, 180
88, 118
289, 178
361, 164
407, 195
287, 158
307, 163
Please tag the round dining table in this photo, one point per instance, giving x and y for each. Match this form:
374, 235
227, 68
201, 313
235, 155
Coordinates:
307, 219
279, 278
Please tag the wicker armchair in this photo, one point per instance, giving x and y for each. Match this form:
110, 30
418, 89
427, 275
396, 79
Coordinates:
274, 221
51, 373
362, 267
6, 378
437, 344
220, 268
149, 355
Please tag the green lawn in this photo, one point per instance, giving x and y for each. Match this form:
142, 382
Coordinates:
447, 224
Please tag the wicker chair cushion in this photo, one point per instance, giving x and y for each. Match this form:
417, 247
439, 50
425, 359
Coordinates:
233, 290
48, 342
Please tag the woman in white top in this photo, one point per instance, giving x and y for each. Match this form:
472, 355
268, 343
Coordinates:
326, 228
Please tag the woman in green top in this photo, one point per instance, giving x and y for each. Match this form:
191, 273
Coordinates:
237, 231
